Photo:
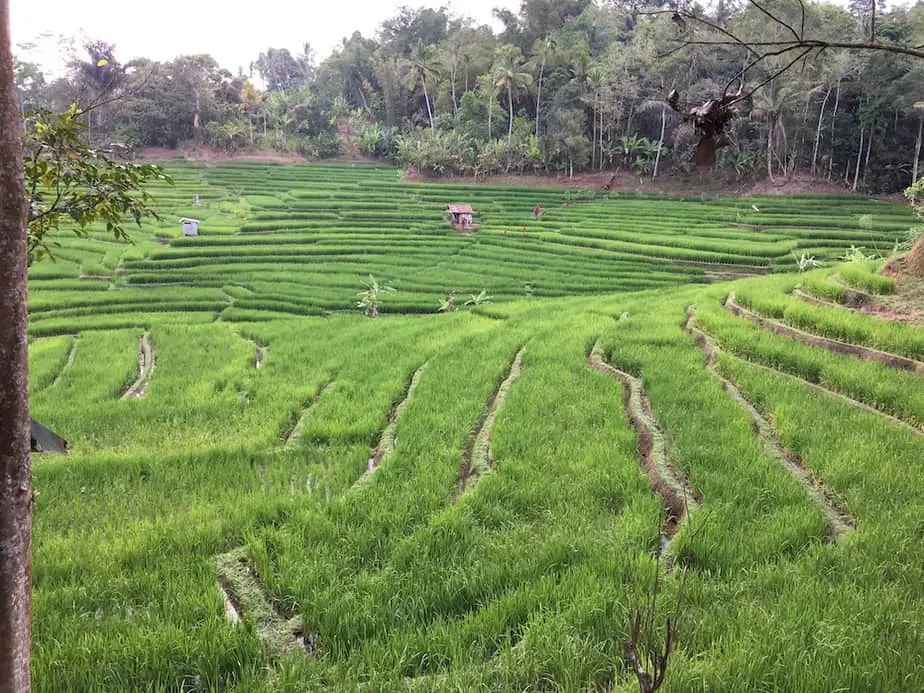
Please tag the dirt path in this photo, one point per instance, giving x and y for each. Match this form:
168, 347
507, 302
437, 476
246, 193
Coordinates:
677, 495
245, 597
837, 521
476, 458
861, 352
388, 439
292, 436
146, 364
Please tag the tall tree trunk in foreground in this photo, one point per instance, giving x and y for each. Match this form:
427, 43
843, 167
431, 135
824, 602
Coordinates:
15, 463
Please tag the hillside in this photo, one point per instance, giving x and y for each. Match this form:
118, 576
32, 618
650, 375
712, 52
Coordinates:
268, 491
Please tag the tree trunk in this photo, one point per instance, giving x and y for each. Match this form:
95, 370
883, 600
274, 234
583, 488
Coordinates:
362, 97
427, 99
869, 146
196, 122
654, 173
452, 85
917, 150
490, 110
837, 100
770, 150
593, 134
15, 462
510, 108
539, 94
821, 117
856, 173
600, 133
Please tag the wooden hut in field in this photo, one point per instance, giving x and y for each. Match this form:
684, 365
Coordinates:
190, 226
460, 215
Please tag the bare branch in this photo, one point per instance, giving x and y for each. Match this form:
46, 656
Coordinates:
122, 94
776, 20
773, 76
802, 20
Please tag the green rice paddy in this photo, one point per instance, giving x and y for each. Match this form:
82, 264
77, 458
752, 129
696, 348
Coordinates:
454, 501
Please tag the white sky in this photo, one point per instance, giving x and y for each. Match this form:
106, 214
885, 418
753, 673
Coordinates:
233, 32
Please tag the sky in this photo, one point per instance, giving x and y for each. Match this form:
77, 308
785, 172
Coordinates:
234, 33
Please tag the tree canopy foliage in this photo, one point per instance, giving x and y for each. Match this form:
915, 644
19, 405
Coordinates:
69, 182
566, 85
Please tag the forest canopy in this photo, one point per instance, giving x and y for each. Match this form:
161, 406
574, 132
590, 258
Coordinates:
565, 86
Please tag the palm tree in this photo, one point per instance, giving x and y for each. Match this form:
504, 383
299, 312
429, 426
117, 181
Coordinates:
98, 77
423, 64
510, 76
543, 51
485, 85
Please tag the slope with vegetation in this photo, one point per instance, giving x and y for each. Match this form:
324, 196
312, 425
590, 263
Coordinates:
567, 85
794, 564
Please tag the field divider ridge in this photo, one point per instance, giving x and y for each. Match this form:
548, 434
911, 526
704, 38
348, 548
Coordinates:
838, 521
244, 596
261, 351
676, 492
855, 302
68, 362
833, 345
477, 459
388, 439
846, 399
291, 437
146, 364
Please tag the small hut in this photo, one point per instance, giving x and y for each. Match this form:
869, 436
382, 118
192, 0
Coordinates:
190, 226
461, 215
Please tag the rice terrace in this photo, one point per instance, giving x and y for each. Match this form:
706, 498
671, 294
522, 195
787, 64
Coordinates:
564, 436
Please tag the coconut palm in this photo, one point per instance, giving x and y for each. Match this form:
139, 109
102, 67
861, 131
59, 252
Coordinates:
422, 65
484, 84
510, 76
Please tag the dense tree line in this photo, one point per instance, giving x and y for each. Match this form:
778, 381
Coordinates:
567, 85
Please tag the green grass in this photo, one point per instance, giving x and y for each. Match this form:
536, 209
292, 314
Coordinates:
526, 580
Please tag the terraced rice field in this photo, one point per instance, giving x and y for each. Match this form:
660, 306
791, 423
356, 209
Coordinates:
267, 491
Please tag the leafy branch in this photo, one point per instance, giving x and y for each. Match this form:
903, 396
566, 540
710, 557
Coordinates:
69, 182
